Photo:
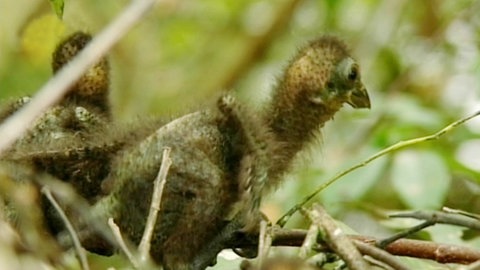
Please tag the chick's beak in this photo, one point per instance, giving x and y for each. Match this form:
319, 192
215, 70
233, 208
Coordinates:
359, 98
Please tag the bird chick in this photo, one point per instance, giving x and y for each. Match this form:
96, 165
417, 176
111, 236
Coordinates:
316, 84
68, 140
75, 140
318, 81
225, 159
64, 140
92, 89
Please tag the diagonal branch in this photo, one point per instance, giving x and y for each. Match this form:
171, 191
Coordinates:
336, 239
440, 217
144, 247
392, 148
57, 86
460, 212
379, 255
76, 242
122, 245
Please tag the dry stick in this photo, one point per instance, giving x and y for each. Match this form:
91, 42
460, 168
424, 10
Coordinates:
76, 242
442, 253
460, 212
264, 243
309, 242
121, 243
387, 241
336, 238
144, 247
399, 145
69, 197
440, 217
59, 84
379, 255
430, 218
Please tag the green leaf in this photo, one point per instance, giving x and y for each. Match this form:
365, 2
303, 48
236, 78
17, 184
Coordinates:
421, 179
58, 6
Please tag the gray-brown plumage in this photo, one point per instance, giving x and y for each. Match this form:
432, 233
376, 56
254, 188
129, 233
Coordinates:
65, 141
92, 89
75, 140
69, 141
225, 159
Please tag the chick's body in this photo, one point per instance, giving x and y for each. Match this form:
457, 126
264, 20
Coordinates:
198, 194
224, 160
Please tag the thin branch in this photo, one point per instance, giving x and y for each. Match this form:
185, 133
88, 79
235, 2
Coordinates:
440, 217
336, 239
309, 242
460, 212
385, 242
264, 243
79, 207
144, 247
121, 243
395, 147
76, 242
379, 255
57, 86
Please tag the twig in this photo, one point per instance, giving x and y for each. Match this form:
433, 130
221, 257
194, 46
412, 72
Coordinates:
309, 242
57, 86
431, 218
336, 239
385, 242
121, 243
442, 253
264, 243
460, 212
380, 255
76, 242
440, 217
144, 247
397, 146
80, 208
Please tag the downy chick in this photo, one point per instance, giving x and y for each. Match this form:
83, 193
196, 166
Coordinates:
224, 160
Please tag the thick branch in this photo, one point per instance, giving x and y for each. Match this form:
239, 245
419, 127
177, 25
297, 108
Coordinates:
336, 239
442, 253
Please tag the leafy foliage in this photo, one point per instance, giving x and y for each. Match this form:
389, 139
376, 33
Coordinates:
58, 6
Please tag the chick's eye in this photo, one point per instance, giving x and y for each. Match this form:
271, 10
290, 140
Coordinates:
353, 74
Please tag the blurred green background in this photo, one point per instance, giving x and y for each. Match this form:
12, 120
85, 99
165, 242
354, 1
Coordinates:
420, 61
